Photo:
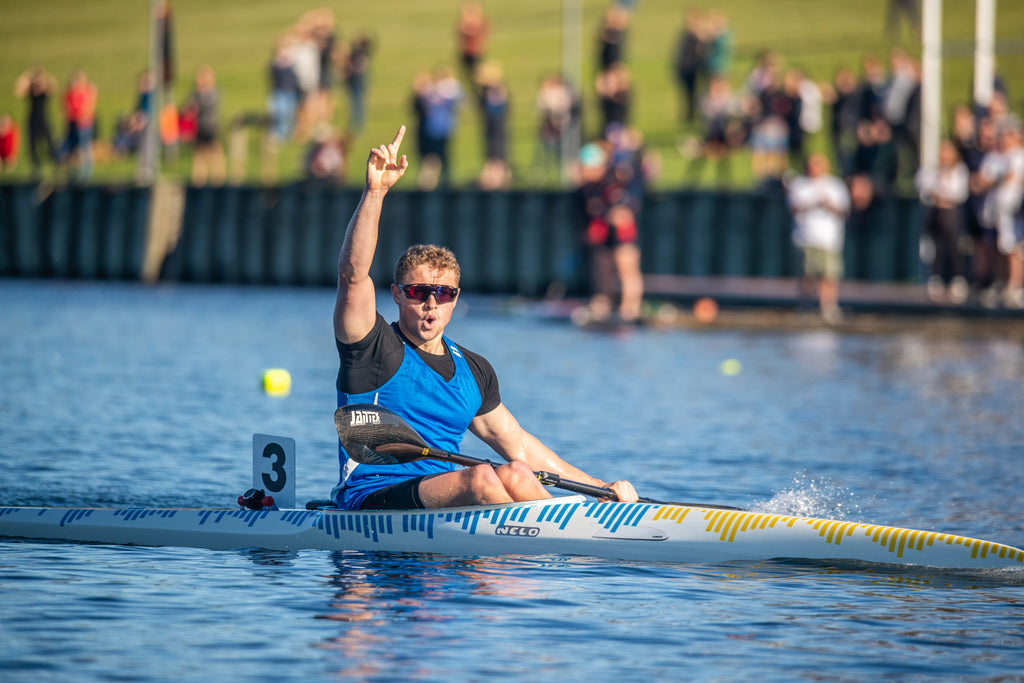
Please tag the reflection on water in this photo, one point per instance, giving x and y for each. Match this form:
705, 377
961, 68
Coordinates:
375, 593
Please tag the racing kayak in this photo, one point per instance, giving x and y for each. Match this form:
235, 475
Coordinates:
565, 525
648, 530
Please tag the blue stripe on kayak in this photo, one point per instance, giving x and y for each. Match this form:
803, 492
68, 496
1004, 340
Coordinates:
73, 516
616, 518
430, 526
545, 512
553, 513
571, 512
606, 509
636, 515
390, 529
473, 518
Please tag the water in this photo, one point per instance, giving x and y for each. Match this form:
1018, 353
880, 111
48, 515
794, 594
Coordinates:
115, 394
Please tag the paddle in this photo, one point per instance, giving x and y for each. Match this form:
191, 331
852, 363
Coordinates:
373, 435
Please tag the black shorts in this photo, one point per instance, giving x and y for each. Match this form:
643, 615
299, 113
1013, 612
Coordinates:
404, 495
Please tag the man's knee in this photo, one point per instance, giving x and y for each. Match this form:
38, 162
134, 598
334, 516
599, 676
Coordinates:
519, 479
484, 479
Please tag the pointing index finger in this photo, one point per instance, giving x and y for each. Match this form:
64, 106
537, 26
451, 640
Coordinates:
396, 143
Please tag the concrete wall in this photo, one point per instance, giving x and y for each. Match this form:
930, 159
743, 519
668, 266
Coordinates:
507, 242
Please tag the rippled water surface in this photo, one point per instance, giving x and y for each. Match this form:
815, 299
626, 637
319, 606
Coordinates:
122, 395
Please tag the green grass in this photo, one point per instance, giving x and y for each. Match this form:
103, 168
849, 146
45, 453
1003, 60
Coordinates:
108, 38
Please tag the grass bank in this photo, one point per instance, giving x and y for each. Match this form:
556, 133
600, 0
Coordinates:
109, 39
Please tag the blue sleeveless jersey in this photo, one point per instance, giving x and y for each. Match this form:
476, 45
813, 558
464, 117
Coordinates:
439, 411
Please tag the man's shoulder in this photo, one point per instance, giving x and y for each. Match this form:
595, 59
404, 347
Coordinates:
381, 334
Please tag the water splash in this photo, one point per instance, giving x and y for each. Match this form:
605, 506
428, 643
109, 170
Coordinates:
812, 497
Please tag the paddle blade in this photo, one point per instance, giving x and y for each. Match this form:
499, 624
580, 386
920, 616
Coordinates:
364, 455
366, 425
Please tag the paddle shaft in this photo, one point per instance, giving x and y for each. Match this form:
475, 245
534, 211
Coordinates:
546, 478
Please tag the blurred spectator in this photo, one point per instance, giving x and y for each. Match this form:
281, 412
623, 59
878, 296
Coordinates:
943, 191
908, 10
165, 38
472, 31
769, 144
284, 91
720, 112
496, 174
965, 139
440, 118
612, 179
37, 86
326, 158
764, 75
820, 203
356, 72
963, 135
900, 105
812, 98
325, 39
611, 38
874, 162
1001, 177
793, 101
720, 48
208, 163
688, 62
305, 54
986, 260
10, 142
558, 111
422, 83
80, 115
845, 108
871, 89
614, 91
130, 130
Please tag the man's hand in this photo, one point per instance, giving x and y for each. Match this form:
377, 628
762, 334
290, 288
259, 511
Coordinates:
624, 491
385, 167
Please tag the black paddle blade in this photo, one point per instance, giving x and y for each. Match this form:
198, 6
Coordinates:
364, 425
365, 455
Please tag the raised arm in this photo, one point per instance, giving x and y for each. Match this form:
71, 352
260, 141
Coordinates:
355, 308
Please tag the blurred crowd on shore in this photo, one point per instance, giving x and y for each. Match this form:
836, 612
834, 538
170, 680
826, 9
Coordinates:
869, 114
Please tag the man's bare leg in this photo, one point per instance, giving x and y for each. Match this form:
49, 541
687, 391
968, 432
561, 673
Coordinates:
482, 485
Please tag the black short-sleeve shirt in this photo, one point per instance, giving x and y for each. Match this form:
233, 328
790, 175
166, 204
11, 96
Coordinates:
367, 364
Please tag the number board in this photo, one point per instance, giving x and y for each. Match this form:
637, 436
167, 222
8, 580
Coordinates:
273, 467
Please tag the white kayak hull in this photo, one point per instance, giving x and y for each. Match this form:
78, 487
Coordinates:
569, 525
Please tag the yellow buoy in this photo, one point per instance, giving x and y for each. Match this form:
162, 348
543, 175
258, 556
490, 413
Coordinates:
277, 382
730, 367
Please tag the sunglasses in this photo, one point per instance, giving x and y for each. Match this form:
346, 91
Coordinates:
443, 293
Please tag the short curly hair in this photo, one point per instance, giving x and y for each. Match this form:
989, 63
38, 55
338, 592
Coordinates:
438, 258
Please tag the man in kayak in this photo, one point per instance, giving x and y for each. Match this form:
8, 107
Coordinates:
410, 367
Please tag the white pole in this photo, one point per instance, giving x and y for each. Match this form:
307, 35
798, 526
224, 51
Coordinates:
984, 41
931, 82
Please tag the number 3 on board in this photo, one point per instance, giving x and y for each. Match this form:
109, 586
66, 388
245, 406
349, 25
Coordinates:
273, 467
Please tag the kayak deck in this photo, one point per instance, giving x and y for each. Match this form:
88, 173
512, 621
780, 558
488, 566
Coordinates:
569, 525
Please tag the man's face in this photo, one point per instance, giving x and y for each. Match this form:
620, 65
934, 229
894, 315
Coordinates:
424, 322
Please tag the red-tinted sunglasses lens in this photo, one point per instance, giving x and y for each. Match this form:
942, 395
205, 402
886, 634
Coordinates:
443, 293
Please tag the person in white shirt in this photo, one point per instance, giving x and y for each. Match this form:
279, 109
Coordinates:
943, 190
1001, 177
820, 203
